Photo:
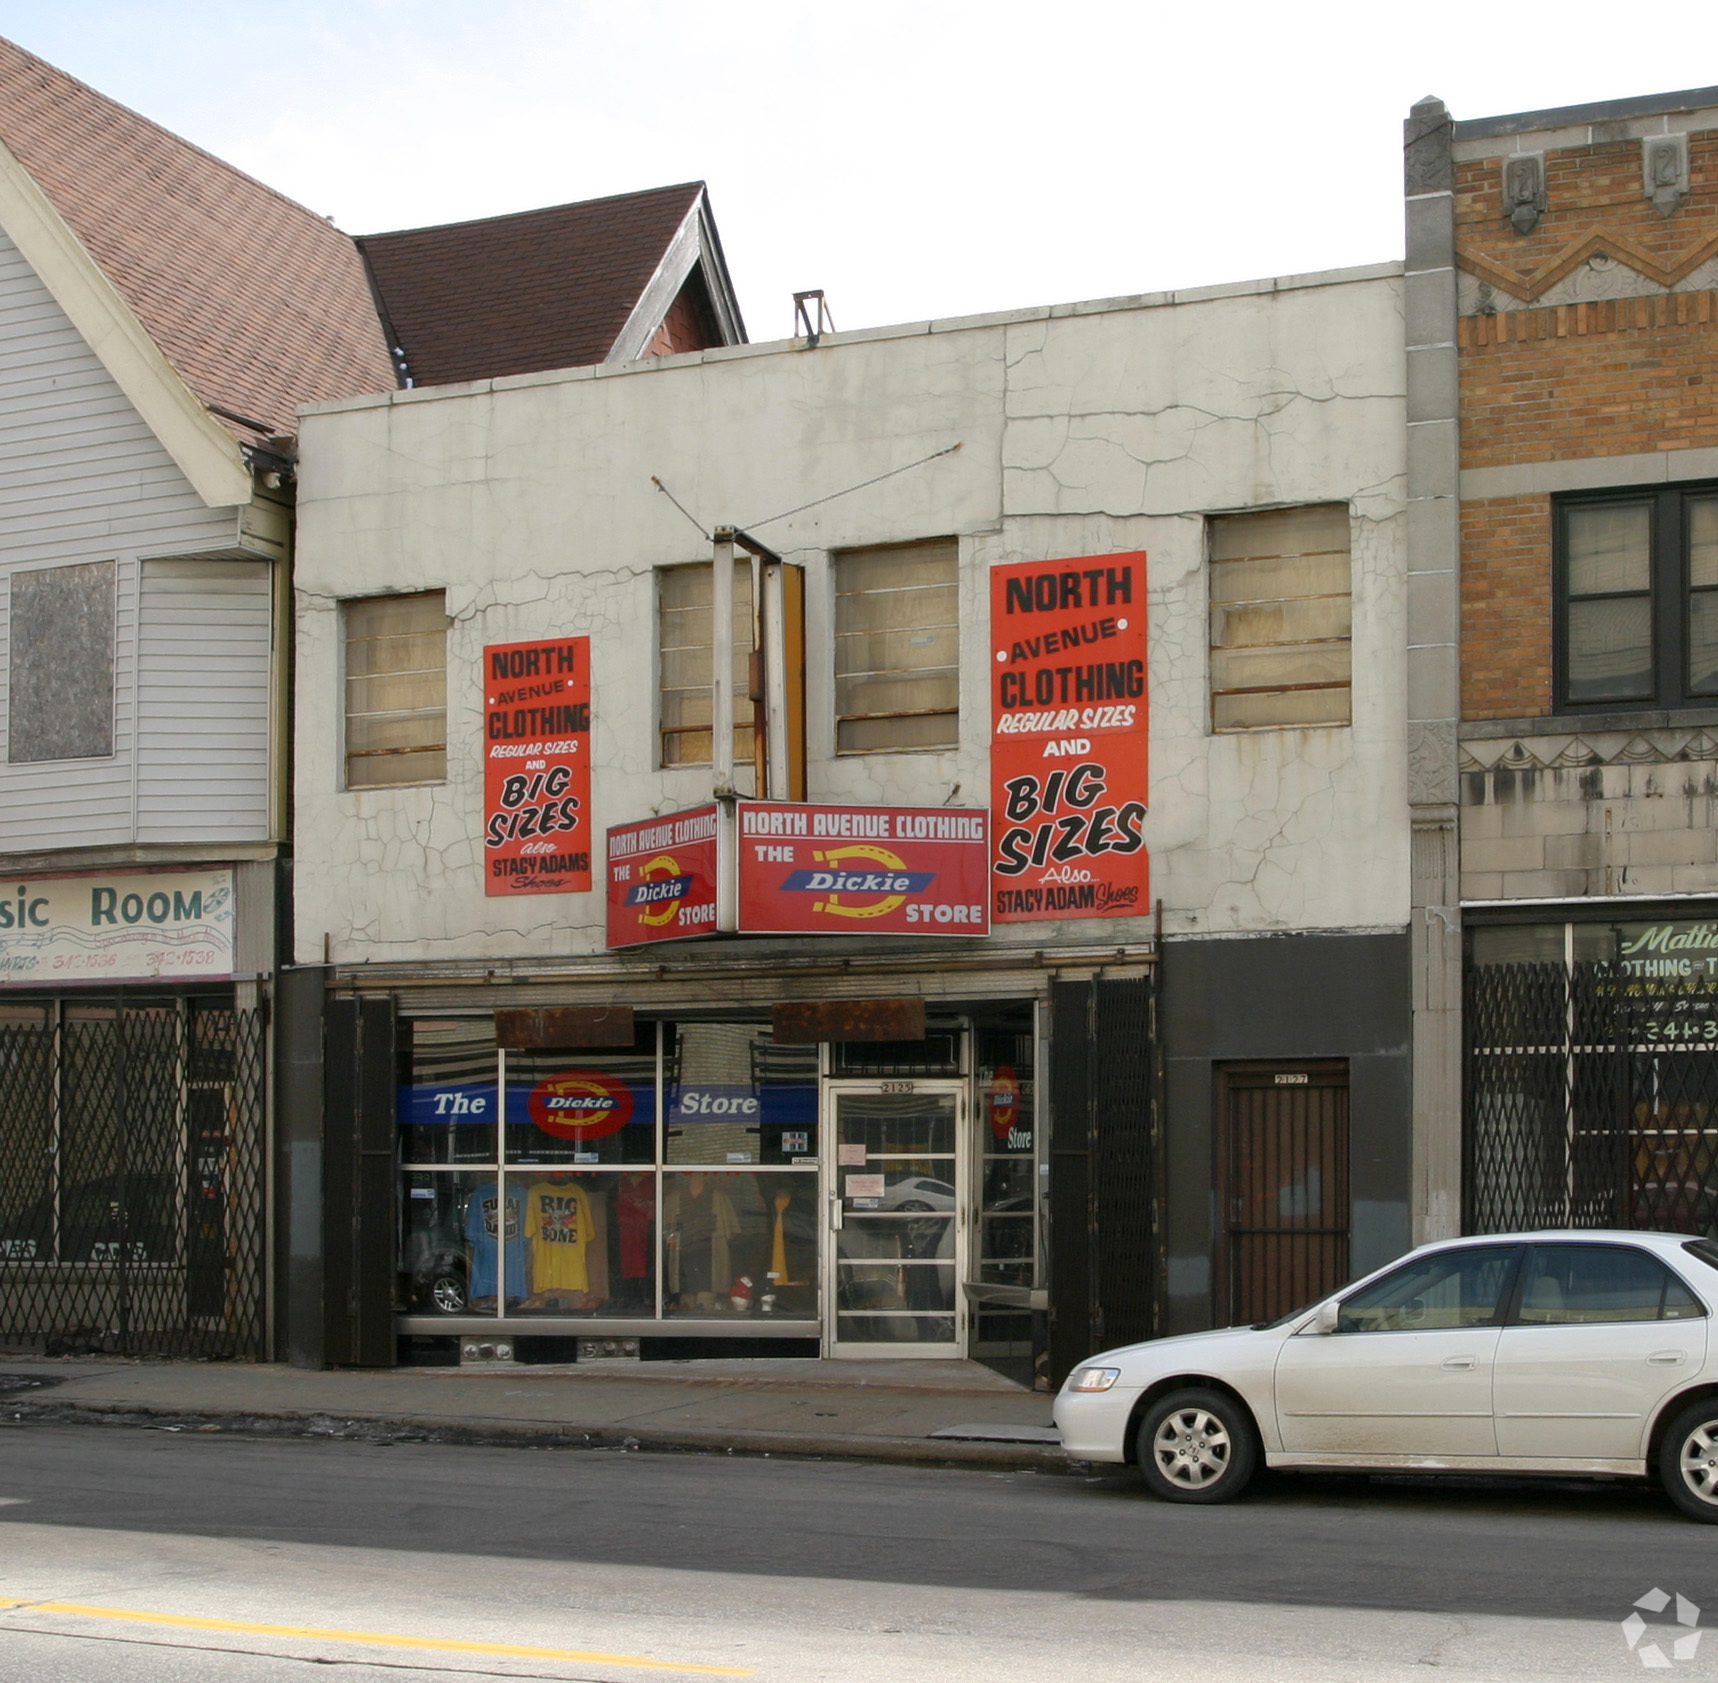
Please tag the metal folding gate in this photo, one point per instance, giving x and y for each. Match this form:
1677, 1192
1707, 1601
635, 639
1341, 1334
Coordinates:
132, 1176
1591, 1099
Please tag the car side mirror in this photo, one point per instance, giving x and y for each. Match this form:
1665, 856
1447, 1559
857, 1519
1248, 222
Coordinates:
1328, 1319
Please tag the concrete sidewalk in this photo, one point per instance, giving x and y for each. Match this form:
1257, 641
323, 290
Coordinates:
904, 1411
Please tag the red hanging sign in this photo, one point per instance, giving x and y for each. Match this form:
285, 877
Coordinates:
1068, 738
862, 870
537, 767
662, 876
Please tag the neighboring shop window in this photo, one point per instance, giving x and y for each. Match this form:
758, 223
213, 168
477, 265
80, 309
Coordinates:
897, 647
1591, 1093
564, 1210
1281, 584
27, 1138
59, 694
1638, 598
396, 689
684, 633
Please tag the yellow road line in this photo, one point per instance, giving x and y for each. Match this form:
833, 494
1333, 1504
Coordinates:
370, 1638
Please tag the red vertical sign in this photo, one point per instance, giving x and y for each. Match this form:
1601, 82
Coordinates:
537, 767
1068, 739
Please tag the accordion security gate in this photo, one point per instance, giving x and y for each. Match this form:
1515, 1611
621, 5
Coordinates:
131, 1177
1591, 1099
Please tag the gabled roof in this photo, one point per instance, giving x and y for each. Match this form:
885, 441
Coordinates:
558, 288
259, 304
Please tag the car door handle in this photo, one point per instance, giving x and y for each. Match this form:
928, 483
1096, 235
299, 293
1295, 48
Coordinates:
1457, 1364
1668, 1358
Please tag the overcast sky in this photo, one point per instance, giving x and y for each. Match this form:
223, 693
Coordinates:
913, 159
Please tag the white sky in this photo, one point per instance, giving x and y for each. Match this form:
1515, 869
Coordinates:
913, 159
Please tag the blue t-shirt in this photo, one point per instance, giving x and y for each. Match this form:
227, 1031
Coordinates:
480, 1233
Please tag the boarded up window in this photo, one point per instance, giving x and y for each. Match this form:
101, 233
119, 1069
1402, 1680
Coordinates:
60, 695
897, 647
1280, 617
683, 627
396, 690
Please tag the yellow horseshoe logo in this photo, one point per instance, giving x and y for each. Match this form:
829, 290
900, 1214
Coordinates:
664, 866
878, 856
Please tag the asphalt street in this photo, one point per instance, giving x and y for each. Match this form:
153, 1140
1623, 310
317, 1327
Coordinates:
163, 1557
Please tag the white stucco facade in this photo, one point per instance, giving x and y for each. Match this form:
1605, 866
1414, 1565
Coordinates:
1082, 430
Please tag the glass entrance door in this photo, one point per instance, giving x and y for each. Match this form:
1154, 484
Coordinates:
897, 1208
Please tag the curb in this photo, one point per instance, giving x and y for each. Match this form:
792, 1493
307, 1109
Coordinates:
522, 1434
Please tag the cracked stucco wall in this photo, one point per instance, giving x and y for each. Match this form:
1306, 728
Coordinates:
1083, 430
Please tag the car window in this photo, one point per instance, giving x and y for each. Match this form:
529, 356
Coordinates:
1446, 1289
1576, 1285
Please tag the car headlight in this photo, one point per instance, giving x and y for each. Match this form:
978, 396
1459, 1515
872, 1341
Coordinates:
1094, 1379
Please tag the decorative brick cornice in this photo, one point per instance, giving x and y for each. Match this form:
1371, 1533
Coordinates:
1584, 750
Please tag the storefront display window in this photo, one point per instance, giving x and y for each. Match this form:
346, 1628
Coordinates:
448, 1100
677, 1177
740, 1243
583, 1107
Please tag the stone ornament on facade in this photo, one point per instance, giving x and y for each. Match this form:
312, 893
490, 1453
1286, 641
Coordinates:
1652, 1654
1664, 165
1524, 200
1594, 748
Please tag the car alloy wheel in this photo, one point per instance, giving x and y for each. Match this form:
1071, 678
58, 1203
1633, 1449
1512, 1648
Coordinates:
1196, 1446
1688, 1461
447, 1293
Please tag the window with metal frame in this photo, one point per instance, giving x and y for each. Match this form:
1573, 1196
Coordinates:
897, 648
1281, 618
683, 632
1637, 598
396, 690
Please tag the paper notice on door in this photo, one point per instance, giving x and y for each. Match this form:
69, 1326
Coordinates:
864, 1186
850, 1156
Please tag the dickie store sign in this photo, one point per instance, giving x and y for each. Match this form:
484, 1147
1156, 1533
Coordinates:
1068, 738
852, 870
537, 767
662, 876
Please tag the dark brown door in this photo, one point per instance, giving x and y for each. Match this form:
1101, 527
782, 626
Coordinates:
1283, 1187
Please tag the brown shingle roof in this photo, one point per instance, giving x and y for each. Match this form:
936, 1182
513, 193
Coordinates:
519, 294
260, 304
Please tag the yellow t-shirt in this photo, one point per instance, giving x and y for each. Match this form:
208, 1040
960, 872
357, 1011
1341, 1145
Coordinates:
558, 1225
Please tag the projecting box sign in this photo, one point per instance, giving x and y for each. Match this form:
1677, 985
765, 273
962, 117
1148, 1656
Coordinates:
862, 870
155, 926
1068, 738
537, 767
662, 876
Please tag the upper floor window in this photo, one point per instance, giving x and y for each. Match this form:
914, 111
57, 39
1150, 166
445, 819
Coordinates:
396, 690
683, 629
1637, 598
1281, 610
60, 651
897, 647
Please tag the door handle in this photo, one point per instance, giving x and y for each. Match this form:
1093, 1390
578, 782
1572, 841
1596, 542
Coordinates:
1459, 1364
1667, 1358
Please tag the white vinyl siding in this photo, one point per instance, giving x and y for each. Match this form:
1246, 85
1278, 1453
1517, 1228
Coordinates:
203, 702
82, 478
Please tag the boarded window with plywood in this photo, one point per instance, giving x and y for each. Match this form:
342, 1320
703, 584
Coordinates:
897, 647
684, 626
1281, 610
396, 690
60, 701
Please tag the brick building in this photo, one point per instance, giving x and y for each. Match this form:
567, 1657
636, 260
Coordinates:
1562, 317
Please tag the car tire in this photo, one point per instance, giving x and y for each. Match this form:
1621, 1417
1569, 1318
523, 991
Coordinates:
1688, 1460
447, 1292
1196, 1445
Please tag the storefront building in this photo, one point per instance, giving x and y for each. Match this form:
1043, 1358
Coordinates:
753, 810
1573, 250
